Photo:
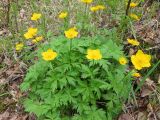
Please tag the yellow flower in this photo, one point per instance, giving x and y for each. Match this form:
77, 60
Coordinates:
133, 42
49, 55
37, 39
140, 60
30, 33
19, 46
136, 74
87, 1
100, 7
94, 54
122, 61
132, 4
34, 41
71, 33
96, 8
36, 16
63, 15
134, 16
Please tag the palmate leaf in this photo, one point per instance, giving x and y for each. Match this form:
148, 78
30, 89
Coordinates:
105, 64
34, 74
97, 83
53, 116
82, 106
86, 72
37, 108
83, 90
25, 86
54, 85
102, 63
61, 98
71, 80
64, 67
62, 82
112, 51
66, 80
96, 114
78, 117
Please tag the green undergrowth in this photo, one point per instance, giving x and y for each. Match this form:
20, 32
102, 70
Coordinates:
72, 87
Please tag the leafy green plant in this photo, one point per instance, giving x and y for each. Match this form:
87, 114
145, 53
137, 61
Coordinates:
71, 87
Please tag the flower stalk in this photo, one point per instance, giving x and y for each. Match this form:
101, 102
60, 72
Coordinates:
128, 5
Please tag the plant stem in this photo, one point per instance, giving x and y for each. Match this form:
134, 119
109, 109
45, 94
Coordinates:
86, 9
15, 16
8, 13
128, 5
70, 48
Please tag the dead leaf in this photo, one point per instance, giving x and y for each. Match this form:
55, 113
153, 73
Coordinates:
3, 81
148, 87
158, 114
142, 116
4, 116
15, 117
150, 108
149, 82
125, 117
145, 92
131, 51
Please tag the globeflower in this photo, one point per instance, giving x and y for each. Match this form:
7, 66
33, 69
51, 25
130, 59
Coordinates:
94, 54
96, 8
93, 9
36, 16
132, 4
134, 16
19, 46
30, 33
122, 61
136, 74
49, 55
37, 39
63, 15
100, 7
133, 42
71, 33
140, 60
87, 1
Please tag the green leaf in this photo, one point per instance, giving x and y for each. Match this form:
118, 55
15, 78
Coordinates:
86, 72
54, 86
36, 108
25, 86
102, 84
71, 80
62, 82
